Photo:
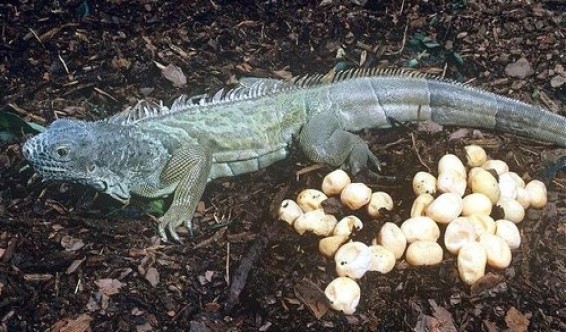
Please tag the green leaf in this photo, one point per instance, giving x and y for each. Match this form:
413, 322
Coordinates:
13, 126
458, 58
156, 207
413, 63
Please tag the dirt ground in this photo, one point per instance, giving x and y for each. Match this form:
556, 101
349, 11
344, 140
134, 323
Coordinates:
72, 260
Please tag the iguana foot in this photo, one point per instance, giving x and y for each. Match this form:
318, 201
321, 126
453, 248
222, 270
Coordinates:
322, 139
188, 168
166, 229
361, 157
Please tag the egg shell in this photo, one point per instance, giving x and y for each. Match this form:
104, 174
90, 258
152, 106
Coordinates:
523, 198
329, 245
513, 210
518, 179
334, 182
355, 195
316, 222
420, 229
451, 181
471, 262
538, 193
353, 260
482, 223
424, 183
451, 162
445, 208
482, 181
420, 204
508, 231
475, 155
476, 203
347, 225
424, 253
497, 250
343, 294
289, 211
379, 200
508, 185
383, 260
392, 238
497, 165
310, 199
459, 233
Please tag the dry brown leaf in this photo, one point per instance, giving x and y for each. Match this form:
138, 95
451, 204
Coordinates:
284, 74
137, 252
37, 277
175, 75
119, 63
212, 240
445, 319
520, 68
486, 282
427, 323
208, 275
144, 327
516, 321
74, 265
557, 81
108, 286
152, 276
71, 244
312, 296
549, 103
79, 324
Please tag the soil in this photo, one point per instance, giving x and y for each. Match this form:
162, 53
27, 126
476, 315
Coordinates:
73, 260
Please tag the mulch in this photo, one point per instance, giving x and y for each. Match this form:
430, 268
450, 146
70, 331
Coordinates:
73, 260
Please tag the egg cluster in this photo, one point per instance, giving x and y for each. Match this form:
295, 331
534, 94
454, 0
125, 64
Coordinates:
460, 200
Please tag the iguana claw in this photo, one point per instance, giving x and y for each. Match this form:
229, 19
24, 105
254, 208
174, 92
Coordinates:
167, 232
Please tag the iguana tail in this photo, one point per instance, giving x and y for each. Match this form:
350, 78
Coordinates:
461, 105
370, 98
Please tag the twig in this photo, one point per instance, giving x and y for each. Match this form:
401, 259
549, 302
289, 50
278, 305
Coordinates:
404, 38
247, 263
414, 139
23, 112
308, 169
36, 37
64, 64
227, 276
105, 93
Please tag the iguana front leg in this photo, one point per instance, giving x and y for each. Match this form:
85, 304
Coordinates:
189, 168
323, 140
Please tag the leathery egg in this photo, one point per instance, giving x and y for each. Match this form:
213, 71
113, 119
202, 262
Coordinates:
471, 261
343, 294
334, 182
355, 195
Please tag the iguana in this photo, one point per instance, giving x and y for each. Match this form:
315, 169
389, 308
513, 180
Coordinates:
151, 150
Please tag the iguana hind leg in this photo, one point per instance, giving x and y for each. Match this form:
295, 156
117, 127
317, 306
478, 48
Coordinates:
323, 140
189, 168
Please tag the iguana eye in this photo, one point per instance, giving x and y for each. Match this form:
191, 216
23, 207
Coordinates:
62, 151
90, 166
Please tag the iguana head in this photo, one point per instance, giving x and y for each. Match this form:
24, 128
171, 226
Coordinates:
76, 151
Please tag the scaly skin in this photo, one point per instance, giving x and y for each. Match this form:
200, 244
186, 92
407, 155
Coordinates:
151, 150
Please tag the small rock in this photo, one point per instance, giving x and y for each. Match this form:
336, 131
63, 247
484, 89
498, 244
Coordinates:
557, 81
146, 91
520, 69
